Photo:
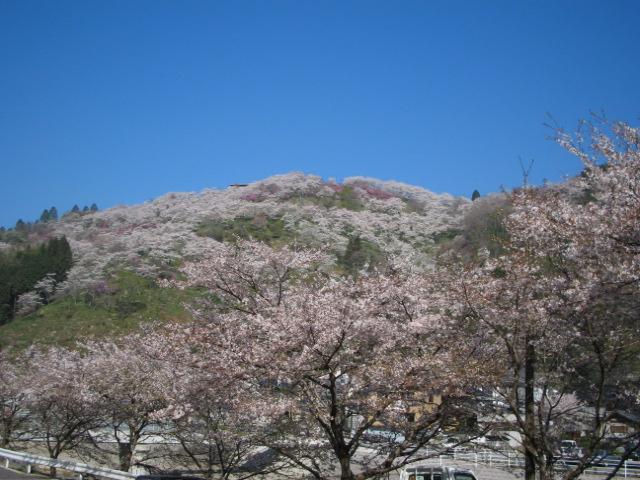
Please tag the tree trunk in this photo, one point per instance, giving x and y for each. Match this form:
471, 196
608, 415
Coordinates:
345, 468
53, 455
53, 471
6, 436
125, 452
529, 412
548, 472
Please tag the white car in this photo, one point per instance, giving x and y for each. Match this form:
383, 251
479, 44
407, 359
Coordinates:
431, 472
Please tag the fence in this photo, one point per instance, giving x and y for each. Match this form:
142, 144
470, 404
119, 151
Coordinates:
514, 460
81, 469
495, 459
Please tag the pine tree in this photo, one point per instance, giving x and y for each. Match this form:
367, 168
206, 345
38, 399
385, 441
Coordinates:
7, 277
45, 217
354, 258
85, 209
53, 213
59, 257
75, 209
65, 258
475, 195
94, 207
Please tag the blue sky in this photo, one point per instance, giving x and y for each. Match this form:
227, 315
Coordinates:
121, 101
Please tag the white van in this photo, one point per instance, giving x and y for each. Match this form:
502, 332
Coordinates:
430, 472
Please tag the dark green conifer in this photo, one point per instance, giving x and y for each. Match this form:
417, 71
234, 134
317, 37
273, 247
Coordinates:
354, 257
59, 258
20, 272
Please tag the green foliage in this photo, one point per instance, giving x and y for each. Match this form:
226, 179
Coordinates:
270, 230
585, 197
413, 206
492, 236
499, 272
21, 270
482, 229
130, 301
346, 198
359, 254
445, 236
475, 195
349, 199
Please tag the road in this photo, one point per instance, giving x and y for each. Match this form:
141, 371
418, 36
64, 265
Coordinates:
11, 475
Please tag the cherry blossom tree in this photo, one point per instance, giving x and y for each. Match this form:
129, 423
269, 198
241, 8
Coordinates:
325, 360
560, 304
28, 303
60, 402
13, 412
212, 419
248, 276
46, 287
132, 385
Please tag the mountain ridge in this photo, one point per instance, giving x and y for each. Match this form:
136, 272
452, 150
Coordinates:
165, 228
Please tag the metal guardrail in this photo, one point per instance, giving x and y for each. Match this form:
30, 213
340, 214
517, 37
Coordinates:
498, 459
81, 468
509, 460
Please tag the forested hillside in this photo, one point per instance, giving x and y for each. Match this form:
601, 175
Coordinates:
120, 253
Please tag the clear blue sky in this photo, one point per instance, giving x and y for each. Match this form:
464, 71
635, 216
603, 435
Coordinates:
121, 101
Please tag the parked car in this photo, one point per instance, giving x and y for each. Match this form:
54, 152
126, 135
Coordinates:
570, 449
430, 472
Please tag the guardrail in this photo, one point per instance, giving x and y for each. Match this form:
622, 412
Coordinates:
514, 460
498, 459
80, 468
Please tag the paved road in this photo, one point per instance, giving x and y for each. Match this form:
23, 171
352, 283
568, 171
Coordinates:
11, 475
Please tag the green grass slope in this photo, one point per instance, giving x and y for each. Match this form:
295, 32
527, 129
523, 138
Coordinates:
131, 300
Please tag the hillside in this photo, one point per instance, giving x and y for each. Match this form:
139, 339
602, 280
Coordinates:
119, 253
